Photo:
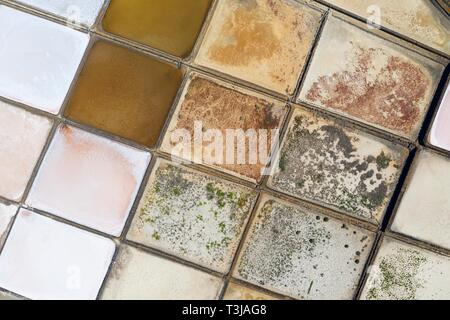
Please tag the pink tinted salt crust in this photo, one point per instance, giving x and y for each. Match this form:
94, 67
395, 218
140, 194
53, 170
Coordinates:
440, 132
22, 139
88, 179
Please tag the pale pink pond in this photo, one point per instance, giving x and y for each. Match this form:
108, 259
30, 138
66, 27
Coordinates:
88, 179
440, 132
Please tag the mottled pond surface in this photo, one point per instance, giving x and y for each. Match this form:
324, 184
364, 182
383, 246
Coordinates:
325, 161
192, 215
370, 79
229, 149
405, 272
302, 253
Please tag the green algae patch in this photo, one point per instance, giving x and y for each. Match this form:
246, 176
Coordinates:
398, 276
403, 271
192, 215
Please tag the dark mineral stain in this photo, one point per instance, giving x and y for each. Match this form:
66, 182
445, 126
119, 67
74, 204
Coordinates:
344, 142
383, 160
333, 167
278, 236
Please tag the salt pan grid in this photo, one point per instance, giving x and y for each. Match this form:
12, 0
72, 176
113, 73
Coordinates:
100, 102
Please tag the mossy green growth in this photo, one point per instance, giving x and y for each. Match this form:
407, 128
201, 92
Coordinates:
156, 235
223, 198
352, 202
282, 162
383, 161
396, 276
325, 161
194, 215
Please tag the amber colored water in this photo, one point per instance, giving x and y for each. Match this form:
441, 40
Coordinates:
124, 92
168, 25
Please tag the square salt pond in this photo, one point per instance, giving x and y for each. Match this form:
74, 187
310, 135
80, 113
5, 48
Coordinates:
45, 259
370, 79
192, 215
419, 20
404, 272
262, 42
333, 164
137, 275
124, 92
38, 59
424, 209
299, 252
89, 179
22, 139
201, 109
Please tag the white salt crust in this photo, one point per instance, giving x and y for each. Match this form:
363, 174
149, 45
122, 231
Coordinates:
440, 132
139, 275
424, 210
7, 213
75, 11
417, 19
38, 59
45, 259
